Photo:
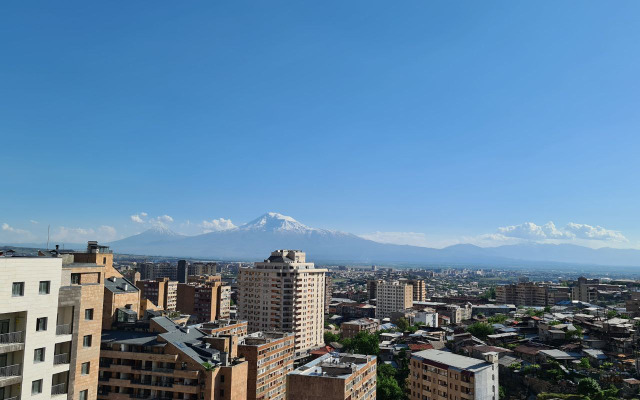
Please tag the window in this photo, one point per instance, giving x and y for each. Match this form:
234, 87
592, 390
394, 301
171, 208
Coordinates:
75, 279
84, 395
38, 355
85, 368
221, 378
221, 392
86, 341
45, 287
41, 324
18, 289
36, 387
88, 314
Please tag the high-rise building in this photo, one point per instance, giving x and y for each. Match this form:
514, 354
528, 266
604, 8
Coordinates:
334, 377
372, 288
205, 297
437, 374
50, 322
419, 289
393, 297
150, 271
284, 293
328, 291
270, 356
527, 293
172, 363
161, 291
182, 272
203, 268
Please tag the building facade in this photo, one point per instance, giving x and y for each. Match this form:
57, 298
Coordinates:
334, 377
352, 328
436, 374
284, 293
393, 297
161, 291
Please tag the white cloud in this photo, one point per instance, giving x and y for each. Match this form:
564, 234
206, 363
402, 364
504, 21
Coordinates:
33, 221
15, 231
583, 231
165, 218
138, 218
79, 235
531, 231
215, 225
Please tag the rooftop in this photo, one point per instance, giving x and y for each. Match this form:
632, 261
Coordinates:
452, 360
334, 365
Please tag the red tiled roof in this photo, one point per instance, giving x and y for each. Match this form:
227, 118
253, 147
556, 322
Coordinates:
322, 350
420, 346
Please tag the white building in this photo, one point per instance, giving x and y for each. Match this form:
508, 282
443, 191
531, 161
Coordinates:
393, 297
427, 318
284, 293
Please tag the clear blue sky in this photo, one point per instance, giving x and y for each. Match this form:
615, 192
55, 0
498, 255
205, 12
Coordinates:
448, 119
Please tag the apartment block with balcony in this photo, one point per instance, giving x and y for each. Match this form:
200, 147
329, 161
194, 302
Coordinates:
334, 377
394, 296
224, 327
442, 375
176, 363
161, 292
286, 294
50, 314
270, 356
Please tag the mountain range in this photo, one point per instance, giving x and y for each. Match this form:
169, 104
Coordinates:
256, 239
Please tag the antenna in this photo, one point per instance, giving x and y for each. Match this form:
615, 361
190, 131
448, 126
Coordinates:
48, 228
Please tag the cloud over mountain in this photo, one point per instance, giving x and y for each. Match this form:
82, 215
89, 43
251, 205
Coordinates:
216, 225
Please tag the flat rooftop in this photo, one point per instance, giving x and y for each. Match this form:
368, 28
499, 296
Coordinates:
452, 360
334, 365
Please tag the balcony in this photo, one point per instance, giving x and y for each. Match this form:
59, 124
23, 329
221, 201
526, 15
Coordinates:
11, 338
59, 389
10, 375
63, 329
61, 359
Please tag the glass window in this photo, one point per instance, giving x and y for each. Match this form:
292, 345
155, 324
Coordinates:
75, 279
18, 289
38, 355
84, 395
86, 341
45, 287
85, 368
36, 386
88, 314
41, 324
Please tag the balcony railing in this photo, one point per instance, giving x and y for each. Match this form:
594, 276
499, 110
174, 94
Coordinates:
63, 329
61, 359
9, 371
60, 388
12, 337
13, 398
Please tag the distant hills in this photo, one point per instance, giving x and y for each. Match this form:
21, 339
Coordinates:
256, 239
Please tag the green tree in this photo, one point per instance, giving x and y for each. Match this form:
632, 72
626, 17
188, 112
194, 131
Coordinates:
575, 334
588, 387
612, 314
330, 337
387, 388
497, 319
402, 324
502, 394
480, 330
363, 343
584, 363
386, 370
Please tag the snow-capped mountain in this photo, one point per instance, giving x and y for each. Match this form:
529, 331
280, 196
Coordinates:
256, 239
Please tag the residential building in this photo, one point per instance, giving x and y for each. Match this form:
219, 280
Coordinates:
150, 271
199, 268
161, 291
522, 294
436, 374
175, 363
50, 322
224, 327
328, 290
284, 293
182, 272
419, 289
372, 288
352, 328
393, 296
334, 377
428, 319
270, 356
122, 303
200, 301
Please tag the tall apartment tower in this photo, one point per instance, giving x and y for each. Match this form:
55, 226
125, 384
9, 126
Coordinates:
50, 324
162, 292
284, 293
183, 271
393, 297
419, 289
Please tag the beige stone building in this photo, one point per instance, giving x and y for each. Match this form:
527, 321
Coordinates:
419, 289
334, 377
393, 297
172, 363
270, 356
352, 328
50, 323
440, 375
284, 293
161, 292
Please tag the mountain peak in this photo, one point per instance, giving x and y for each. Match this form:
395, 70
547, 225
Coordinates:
275, 222
159, 230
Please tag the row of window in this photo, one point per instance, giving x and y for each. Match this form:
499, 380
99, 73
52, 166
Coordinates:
36, 388
17, 288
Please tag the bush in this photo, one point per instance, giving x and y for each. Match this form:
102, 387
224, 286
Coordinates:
480, 330
588, 386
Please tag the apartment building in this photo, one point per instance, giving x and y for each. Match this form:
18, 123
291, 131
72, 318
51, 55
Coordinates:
161, 291
419, 289
182, 272
436, 374
334, 377
531, 294
151, 271
200, 268
328, 291
50, 322
372, 288
270, 356
393, 297
352, 328
284, 293
224, 327
179, 363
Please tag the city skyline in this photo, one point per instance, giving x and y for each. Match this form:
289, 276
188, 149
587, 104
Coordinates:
421, 123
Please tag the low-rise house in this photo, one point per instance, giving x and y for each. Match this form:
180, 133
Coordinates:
563, 357
352, 328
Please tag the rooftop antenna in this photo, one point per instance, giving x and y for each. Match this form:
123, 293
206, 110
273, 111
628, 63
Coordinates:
48, 229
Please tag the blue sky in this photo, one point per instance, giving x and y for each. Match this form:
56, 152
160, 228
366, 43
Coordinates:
426, 122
